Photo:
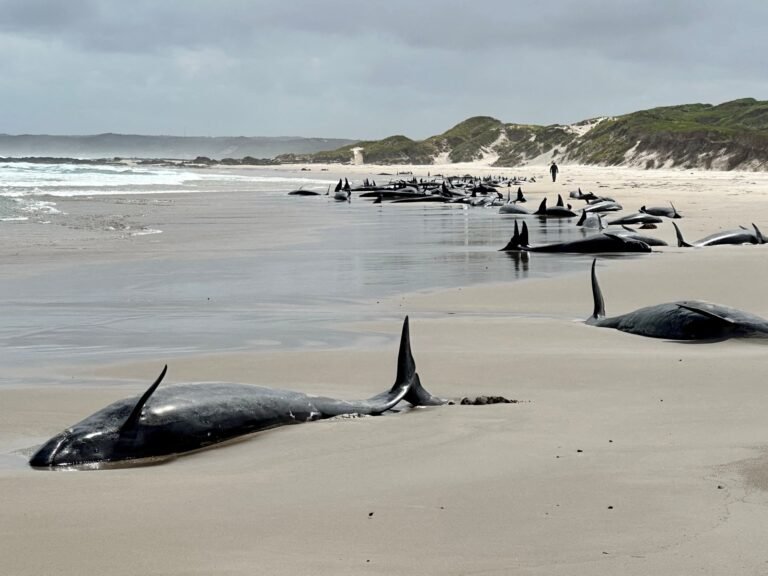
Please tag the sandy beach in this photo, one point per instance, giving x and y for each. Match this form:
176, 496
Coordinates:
623, 454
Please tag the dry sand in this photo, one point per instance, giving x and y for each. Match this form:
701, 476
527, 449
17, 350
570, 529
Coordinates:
625, 455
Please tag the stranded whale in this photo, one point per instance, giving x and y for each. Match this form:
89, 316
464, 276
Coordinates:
178, 419
738, 236
595, 244
558, 211
683, 320
662, 211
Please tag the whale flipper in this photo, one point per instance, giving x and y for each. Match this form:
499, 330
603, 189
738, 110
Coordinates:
708, 313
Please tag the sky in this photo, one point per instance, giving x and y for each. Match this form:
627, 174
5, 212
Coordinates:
364, 69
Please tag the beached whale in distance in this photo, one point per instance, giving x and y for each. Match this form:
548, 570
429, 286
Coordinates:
595, 244
603, 206
626, 232
636, 218
662, 211
303, 193
738, 236
171, 421
682, 320
558, 211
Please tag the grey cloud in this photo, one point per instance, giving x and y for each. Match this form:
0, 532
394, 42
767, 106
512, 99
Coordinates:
364, 68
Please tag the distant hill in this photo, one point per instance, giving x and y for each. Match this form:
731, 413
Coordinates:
177, 147
732, 135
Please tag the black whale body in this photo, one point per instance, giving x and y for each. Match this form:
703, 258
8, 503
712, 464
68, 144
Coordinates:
681, 320
187, 417
595, 244
558, 211
738, 236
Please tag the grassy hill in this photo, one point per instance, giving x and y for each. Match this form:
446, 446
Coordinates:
729, 135
725, 136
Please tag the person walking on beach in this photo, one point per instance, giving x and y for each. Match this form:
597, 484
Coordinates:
553, 169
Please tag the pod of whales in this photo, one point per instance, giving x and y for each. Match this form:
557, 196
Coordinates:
682, 320
187, 417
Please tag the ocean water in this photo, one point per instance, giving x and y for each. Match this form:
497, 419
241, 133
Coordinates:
283, 297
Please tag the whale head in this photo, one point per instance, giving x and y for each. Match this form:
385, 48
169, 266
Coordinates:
78, 446
111, 435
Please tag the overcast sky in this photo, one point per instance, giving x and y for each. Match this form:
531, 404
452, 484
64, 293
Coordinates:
364, 68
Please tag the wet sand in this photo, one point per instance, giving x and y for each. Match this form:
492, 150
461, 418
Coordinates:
624, 455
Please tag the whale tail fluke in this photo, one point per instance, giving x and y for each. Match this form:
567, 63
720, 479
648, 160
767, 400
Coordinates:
681, 243
597, 296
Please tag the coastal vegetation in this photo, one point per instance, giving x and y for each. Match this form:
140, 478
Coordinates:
732, 135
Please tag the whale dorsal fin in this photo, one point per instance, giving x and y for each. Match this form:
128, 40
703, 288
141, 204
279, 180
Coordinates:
524, 235
597, 296
560, 200
542, 207
681, 243
514, 242
133, 418
760, 237
583, 217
